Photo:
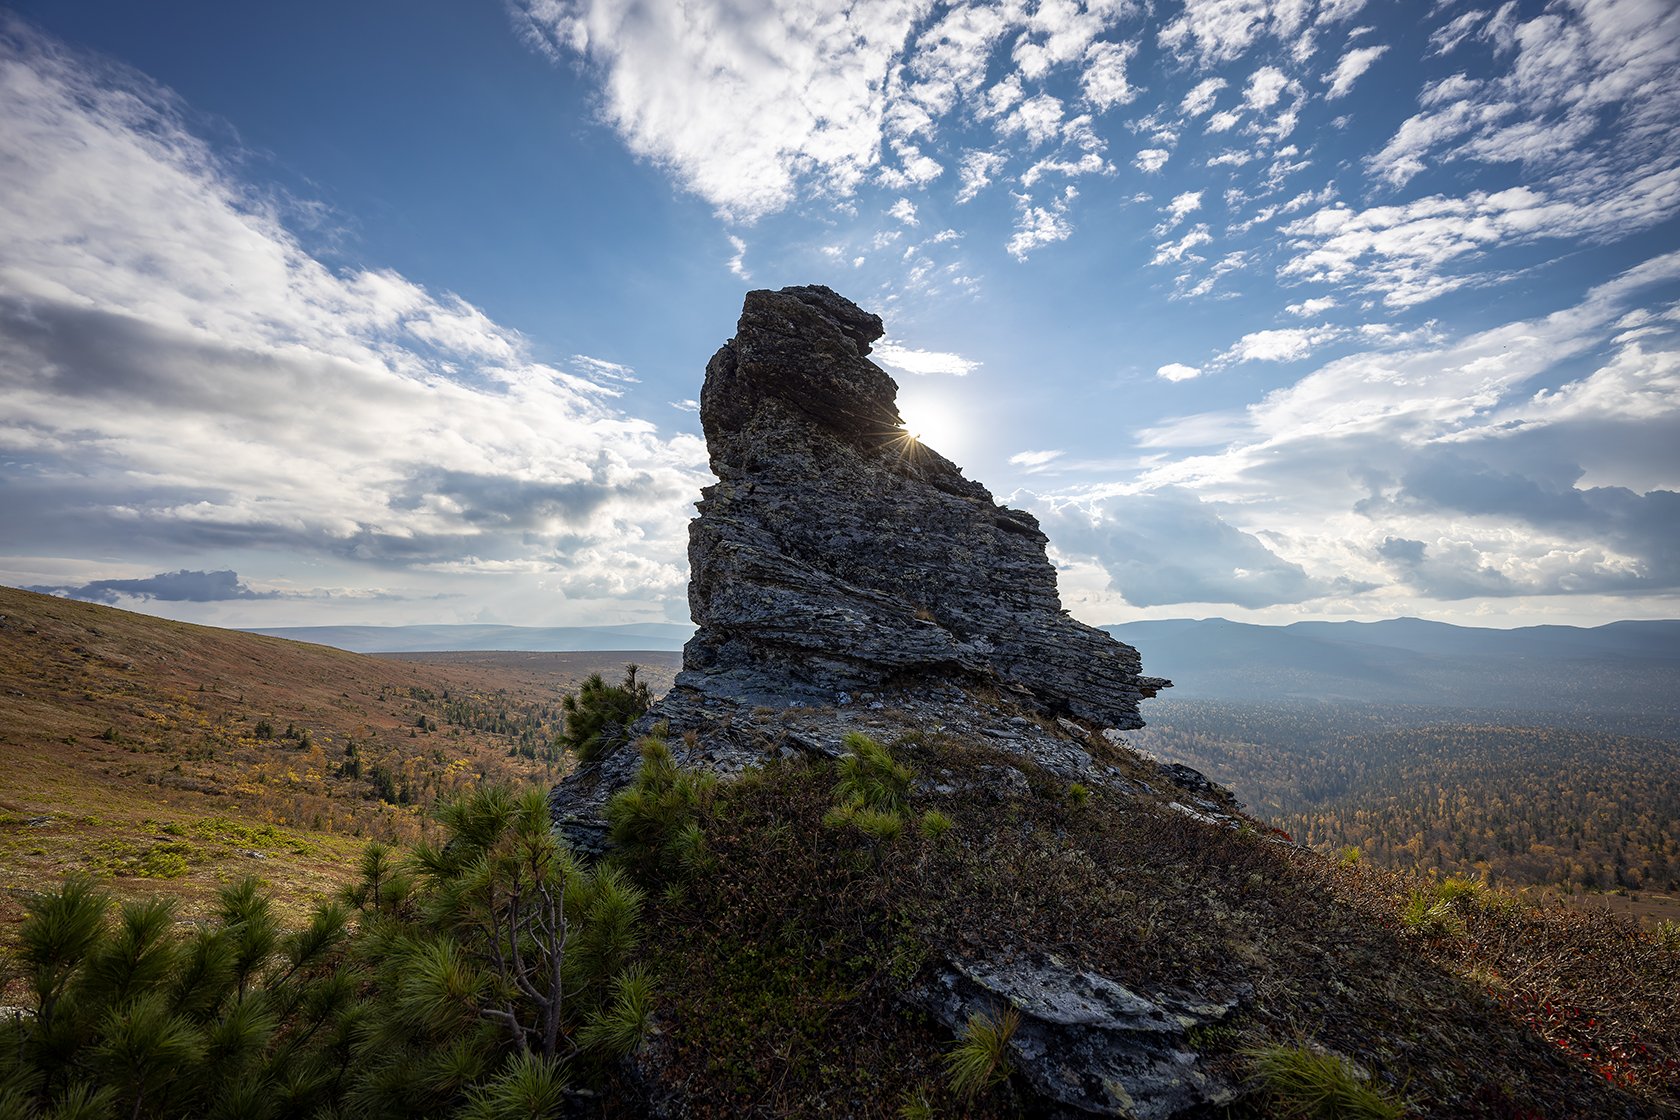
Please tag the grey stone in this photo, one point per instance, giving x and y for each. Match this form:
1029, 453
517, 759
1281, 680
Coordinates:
1085, 1042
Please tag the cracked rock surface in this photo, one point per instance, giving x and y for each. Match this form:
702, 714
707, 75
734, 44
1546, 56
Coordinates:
840, 567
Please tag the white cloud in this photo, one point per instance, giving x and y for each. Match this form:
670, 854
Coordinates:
737, 262
1201, 97
977, 168
1104, 80
922, 362
905, 211
1434, 469
186, 378
1580, 95
1037, 226
915, 169
809, 79
1420, 250
1038, 118
1171, 546
1184, 204
1088, 164
1033, 460
1224, 121
599, 369
1289, 344
1178, 251
1444, 39
1218, 30
1454, 87
1151, 159
1309, 307
1177, 371
1265, 87
1351, 67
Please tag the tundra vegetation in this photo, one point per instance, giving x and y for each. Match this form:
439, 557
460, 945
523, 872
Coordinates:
749, 947
750, 944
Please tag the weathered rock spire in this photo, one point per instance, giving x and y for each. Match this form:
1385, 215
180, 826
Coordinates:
837, 556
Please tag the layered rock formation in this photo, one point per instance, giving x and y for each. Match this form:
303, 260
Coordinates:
840, 569
837, 556
847, 578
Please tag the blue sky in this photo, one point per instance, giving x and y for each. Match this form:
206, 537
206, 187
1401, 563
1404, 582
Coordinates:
1271, 309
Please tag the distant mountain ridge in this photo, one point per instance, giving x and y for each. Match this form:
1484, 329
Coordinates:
470, 637
1630, 668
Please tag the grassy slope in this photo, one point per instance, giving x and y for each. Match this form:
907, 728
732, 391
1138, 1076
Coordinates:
784, 964
131, 749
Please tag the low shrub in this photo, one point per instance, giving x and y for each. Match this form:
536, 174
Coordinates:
980, 1059
1304, 1084
871, 778
654, 822
598, 718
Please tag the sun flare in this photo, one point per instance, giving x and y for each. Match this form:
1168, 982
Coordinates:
929, 425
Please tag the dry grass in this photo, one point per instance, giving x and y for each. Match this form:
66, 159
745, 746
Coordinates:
154, 753
785, 968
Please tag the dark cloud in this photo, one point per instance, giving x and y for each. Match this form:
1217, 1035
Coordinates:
171, 587
1457, 572
1168, 546
1538, 494
504, 502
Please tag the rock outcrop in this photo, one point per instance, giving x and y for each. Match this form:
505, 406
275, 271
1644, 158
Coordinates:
1085, 1042
846, 577
837, 556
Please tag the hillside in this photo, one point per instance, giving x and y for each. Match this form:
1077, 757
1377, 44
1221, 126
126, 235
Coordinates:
170, 756
460, 638
1624, 676
885, 847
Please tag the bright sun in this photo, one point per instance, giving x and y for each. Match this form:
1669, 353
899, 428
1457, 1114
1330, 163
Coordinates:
930, 425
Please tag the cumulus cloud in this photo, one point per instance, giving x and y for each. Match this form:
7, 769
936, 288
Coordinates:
791, 93
1581, 97
1183, 204
1033, 460
1216, 30
1151, 159
1350, 68
1176, 252
1201, 97
1169, 546
738, 261
922, 362
1288, 344
1447, 467
1265, 87
1425, 248
977, 169
1104, 81
1177, 371
181, 375
1037, 226
1318, 305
